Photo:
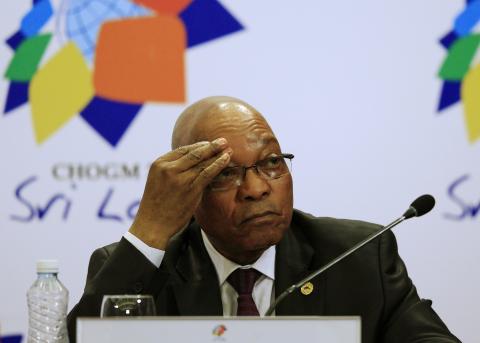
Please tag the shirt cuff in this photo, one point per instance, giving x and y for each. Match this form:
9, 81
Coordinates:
152, 254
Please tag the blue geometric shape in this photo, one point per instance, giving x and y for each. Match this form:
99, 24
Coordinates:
110, 118
15, 40
17, 96
451, 94
11, 339
38, 16
206, 20
449, 39
467, 20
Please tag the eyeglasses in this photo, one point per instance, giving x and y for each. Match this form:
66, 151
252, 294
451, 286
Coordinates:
270, 168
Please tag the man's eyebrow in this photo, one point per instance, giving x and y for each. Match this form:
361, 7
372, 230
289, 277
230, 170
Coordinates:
269, 139
265, 140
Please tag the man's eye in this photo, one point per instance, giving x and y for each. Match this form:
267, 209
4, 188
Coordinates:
227, 173
273, 162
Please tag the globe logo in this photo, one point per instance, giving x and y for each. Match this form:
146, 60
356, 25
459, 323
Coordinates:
111, 57
460, 70
80, 20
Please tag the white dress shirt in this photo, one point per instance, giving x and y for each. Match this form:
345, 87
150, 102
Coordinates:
263, 292
154, 255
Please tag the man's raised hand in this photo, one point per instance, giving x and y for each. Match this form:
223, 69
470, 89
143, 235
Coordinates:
174, 188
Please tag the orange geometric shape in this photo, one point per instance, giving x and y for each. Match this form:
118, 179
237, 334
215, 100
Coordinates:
142, 59
173, 7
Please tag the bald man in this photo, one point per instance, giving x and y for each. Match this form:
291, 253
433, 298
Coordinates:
217, 212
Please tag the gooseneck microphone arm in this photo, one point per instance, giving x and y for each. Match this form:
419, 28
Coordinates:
299, 284
419, 207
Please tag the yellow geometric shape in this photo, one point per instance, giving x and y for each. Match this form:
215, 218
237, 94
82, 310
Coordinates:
59, 90
471, 102
307, 288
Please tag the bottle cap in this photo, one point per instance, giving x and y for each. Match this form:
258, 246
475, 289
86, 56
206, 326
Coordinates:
47, 266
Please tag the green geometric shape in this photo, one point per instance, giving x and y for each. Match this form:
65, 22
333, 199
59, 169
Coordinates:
25, 62
459, 58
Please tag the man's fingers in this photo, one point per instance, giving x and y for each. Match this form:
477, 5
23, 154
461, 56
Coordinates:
201, 153
212, 170
181, 151
193, 172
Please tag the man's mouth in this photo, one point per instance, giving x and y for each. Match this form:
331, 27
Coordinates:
259, 216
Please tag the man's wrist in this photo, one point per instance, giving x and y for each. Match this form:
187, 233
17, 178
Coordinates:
154, 255
150, 237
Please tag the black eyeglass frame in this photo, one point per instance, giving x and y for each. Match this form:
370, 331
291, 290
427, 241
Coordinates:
284, 156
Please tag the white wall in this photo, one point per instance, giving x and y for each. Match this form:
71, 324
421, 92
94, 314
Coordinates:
349, 87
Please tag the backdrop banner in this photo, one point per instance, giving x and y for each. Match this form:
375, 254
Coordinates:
378, 100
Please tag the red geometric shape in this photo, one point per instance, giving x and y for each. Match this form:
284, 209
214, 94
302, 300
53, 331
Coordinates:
142, 59
173, 7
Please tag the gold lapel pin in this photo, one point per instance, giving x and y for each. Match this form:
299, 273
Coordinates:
307, 288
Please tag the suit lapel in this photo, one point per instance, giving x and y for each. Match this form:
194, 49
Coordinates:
199, 299
197, 293
294, 261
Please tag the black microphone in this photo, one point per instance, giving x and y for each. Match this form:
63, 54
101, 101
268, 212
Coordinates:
420, 206
423, 204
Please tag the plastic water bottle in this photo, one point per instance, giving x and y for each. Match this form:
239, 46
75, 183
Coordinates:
47, 306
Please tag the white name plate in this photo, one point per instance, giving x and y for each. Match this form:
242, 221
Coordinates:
219, 329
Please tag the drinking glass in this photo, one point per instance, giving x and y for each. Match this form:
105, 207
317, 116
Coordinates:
127, 305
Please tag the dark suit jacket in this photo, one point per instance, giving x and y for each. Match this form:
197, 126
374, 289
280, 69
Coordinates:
372, 282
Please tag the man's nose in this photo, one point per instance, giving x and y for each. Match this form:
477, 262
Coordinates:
254, 186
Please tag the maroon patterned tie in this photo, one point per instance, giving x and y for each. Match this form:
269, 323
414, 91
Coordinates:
243, 280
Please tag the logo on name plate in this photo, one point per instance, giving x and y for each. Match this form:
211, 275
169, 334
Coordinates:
102, 60
460, 70
219, 330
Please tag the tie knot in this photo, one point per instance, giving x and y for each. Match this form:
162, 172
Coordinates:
243, 280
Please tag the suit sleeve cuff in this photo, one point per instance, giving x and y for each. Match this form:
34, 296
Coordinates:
153, 255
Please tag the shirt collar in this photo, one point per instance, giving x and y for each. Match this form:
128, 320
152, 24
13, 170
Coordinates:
224, 267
